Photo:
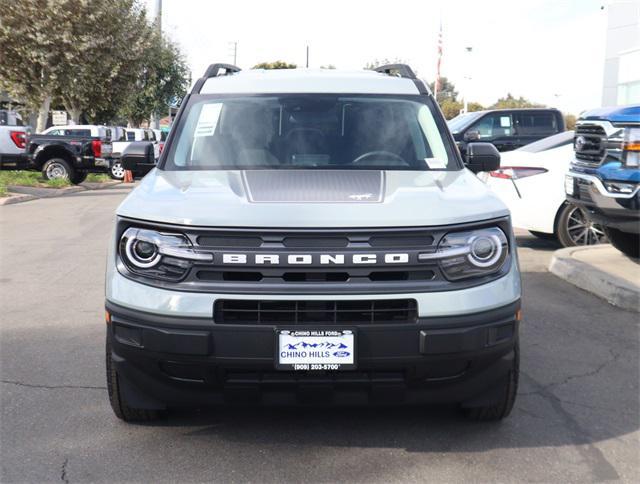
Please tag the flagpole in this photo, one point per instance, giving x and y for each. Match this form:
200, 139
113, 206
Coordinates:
436, 85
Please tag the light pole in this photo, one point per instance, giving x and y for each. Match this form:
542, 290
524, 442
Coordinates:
234, 46
467, 78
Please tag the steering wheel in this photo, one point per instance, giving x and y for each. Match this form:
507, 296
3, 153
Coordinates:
370, 154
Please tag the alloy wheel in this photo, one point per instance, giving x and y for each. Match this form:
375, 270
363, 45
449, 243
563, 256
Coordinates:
582, 230
117, 170
56, 170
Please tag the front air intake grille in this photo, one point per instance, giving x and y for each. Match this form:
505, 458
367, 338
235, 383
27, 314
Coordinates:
388, 311
590, 144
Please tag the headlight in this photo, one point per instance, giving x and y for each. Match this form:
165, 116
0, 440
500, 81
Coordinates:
157, 254
470, 254
631, 148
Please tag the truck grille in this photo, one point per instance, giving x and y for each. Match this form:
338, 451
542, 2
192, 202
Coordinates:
234, 311
590, 144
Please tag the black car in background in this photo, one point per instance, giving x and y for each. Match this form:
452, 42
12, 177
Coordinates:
506, 129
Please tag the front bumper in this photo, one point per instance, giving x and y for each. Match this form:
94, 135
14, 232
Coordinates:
165, 361
616, 210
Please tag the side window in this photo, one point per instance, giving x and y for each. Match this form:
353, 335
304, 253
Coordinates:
131, 136
55, 132
536, 123
494, 125
145, 135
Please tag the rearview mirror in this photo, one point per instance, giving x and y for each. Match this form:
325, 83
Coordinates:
472, 135
482, 157
137, 153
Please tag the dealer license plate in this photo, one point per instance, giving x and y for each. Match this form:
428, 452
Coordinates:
315, 349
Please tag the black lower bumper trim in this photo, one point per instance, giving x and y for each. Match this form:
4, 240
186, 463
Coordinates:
193, 361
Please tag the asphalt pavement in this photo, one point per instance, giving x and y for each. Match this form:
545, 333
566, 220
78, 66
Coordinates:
576, 418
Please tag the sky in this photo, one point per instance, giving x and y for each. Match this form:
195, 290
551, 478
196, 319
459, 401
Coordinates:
548, 51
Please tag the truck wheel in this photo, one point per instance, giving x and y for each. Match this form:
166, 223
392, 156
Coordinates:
57, 168
628, 244
117, 171
575, 228
79, 177
117, 401
509, 389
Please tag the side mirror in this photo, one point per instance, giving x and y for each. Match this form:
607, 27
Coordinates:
137, 153
482, 157
472, 135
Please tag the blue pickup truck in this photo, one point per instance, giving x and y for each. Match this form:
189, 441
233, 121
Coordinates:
604, 177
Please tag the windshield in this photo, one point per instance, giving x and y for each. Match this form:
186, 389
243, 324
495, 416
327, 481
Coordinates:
309, 131
461, 121
550, 142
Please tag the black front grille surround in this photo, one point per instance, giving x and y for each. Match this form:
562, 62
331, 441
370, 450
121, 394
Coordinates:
590, 144
413, 277
301, 312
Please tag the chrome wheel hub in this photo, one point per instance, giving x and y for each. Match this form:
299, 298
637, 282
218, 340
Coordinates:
56, 170
582, 230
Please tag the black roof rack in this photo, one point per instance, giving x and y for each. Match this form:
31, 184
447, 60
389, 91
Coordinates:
214, 69
399, 70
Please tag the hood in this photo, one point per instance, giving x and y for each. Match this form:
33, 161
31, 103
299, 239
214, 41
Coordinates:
311, 199
617, 114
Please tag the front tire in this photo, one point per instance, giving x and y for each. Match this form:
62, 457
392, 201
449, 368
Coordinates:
118, 403
56, 168
508, 391
628, 244
575, 228
117, 171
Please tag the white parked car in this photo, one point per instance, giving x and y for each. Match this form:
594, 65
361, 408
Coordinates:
129, 135
530, 182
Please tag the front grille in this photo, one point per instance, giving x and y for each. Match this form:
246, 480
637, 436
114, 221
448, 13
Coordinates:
388, 311
592, 150
316, 261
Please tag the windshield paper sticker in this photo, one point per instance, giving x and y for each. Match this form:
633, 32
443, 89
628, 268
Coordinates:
208, 119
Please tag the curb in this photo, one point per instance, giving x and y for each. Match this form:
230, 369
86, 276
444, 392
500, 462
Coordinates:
45, 192
16, 198
100, 185
19, 194
613, 289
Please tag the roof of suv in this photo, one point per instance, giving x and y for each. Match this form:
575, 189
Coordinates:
259, 81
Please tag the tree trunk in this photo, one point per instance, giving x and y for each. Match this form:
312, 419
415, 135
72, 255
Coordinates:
43, 114
74, 114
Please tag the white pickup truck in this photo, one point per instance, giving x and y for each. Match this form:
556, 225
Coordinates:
12, 141
131, 134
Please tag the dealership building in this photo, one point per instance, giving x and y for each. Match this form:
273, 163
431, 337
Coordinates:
621, 82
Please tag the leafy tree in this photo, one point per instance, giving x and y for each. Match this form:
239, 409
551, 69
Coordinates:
570, 121
28, 54
163, 80
446, 90
450, 108
510, 102
275, 65
86, 53
474, 106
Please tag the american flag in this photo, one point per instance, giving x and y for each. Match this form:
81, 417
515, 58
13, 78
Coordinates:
436, 86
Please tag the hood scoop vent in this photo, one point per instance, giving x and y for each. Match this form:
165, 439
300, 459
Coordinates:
321, 186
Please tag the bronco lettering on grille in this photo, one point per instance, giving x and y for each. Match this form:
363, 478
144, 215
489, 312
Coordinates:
311, 259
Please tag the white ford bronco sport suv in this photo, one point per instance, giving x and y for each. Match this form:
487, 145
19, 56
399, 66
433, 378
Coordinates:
312, 237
